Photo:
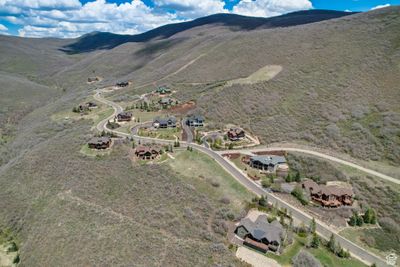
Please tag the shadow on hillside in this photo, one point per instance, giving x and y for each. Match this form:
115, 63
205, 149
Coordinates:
103, 40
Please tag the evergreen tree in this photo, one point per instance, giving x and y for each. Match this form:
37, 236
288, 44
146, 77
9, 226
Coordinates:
370, 216
288, 178
353, 219
313, 226
315, 240
297, 177
263, 201
332, 244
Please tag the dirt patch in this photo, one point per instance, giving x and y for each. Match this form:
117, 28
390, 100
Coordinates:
275, 153
264, 74
182, 108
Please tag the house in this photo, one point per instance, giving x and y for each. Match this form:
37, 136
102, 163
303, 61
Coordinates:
122, 84
124, 116
329, 195
235, 134
268, 163
260, 234
195, 121
93, 79
147, 152
166, 101
163, 90
91, 105
99, 142
162, 123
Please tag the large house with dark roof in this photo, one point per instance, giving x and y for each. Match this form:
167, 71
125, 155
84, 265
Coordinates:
99, 142
332, 196
235, 134
163, 90
260, 234
268, 163
147, 152
163, 123
124, 116
122, 84
195, 121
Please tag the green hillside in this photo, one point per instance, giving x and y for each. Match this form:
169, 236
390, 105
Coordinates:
333, 84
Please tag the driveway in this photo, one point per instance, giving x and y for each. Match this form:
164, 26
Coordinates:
255, 259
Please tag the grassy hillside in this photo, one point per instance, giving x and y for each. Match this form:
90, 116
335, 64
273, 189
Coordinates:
337, 88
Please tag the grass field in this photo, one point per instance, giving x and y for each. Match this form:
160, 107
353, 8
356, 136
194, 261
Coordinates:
210, 177
168, 134
85, 150
325, 257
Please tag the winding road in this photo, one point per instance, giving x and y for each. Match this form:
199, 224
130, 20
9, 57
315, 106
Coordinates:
323, 230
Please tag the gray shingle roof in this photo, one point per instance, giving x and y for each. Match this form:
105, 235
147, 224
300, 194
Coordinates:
269, 159
261, 228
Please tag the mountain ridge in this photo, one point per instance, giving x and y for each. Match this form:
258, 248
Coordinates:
106, 40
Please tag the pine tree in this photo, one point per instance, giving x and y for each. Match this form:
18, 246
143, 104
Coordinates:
315, 241
263, 201
370, 216
332, 244
297, 177
313, 226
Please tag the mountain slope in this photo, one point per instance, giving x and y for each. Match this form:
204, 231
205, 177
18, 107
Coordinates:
338, 89
103, 40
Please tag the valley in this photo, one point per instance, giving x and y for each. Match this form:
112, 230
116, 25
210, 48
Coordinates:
156, 163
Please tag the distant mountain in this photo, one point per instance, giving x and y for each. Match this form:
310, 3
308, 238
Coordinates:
106, 40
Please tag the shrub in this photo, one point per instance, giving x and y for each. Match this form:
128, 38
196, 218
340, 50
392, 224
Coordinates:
298, 193
13, 247
305, 259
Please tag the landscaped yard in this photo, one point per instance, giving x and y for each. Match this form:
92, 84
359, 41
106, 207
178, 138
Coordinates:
326, 257
169, 134
209, 177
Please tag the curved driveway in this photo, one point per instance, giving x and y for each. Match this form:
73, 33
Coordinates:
322, 229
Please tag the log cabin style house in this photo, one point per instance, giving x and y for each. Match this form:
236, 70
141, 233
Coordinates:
332, 196
147, 152
236, 134
103, 142
124, 116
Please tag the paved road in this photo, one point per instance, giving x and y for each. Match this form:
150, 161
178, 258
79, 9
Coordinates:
320, 155
322, 229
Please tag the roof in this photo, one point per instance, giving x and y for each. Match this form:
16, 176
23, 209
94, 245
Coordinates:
261, 228
165, 120
196, 118
125, 114
166, 100
99, 140
335, 190
269, 159
145, 149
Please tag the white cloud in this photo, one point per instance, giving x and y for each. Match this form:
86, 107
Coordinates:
3, 28
68, 21
380, 6
70, 18
192, 8
269, 8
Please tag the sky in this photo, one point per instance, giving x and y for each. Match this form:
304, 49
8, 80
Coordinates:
73, 18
